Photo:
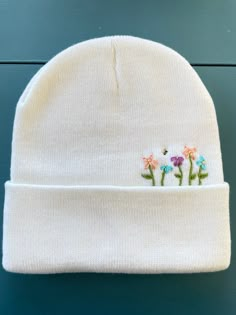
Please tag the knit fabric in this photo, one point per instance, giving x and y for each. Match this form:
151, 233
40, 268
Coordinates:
116, 166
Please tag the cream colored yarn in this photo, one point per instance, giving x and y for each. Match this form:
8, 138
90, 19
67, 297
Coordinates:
84, 129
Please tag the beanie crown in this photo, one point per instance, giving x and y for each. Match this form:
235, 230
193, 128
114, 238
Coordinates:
105, 110
95, 129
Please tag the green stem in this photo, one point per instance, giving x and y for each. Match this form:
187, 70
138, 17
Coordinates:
181, 175
190, 171
153, 178
199, 176
162, 178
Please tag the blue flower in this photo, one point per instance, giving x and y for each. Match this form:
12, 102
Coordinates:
201, 162
166, 168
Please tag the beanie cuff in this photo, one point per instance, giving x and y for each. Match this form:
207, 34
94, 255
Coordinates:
51, 229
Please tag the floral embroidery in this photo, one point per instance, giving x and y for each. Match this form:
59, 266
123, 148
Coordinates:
151, 164
165, 170
201, 162
189, 153
178, 161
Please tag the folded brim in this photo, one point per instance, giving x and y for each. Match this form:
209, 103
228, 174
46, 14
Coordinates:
52, 229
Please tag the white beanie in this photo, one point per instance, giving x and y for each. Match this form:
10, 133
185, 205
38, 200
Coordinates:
116, 166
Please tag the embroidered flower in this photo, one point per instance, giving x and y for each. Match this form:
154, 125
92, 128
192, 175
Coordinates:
189, 152
178, 161
151, 164
165, 170
201, 162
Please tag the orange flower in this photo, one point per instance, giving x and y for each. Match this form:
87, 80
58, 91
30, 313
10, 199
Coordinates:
150, 162
189, 152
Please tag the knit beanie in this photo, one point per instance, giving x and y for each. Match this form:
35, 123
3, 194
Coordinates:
116, 166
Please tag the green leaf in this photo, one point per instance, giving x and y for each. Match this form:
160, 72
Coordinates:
147, 176
193, 176
203, 175
178, 175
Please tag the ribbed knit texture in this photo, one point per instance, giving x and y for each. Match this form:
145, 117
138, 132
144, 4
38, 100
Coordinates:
76, 200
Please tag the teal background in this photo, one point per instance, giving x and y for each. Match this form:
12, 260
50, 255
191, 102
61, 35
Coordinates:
204, 32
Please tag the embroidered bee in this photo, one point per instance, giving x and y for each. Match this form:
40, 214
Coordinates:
164, 151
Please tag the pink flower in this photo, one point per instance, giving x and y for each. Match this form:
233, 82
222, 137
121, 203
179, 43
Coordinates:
189, 152
150, 162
